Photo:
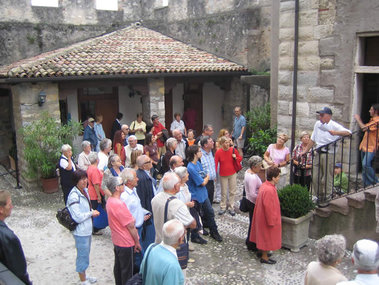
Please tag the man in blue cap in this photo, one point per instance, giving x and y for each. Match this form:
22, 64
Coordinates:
325, 131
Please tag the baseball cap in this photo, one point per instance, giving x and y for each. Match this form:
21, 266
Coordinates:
338, 165
366, 254
91, 120
325, 110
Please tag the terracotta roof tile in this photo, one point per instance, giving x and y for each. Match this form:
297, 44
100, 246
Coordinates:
133, 50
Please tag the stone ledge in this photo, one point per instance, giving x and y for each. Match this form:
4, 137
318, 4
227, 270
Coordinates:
323, 212
370, 194
340, 206
356, 200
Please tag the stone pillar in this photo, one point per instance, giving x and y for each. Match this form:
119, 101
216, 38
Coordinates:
26, 110
154, 102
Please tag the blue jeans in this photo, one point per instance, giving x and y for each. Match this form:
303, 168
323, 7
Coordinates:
368, 173
209, 215
83, 247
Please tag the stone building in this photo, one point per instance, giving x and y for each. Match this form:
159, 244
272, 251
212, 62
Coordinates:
129, 71
338, 62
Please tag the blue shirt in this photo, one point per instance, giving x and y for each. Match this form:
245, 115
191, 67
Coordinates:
80, 212
99, 131
199, 192
239, 123
208, 163
89, 135
132, 201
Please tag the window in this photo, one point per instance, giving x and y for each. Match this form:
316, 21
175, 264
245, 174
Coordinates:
110, 5
45, 3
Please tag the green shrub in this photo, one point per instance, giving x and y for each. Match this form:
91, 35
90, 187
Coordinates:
295, 201
258, 121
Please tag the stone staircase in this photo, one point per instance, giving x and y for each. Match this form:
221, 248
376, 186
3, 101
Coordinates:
352, 216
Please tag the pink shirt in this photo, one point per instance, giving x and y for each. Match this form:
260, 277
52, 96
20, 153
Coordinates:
95, 176
252, 183
278, 155
118, 218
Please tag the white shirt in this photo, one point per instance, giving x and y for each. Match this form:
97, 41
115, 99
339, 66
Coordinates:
133, 202
181, 149
321, 135
128, 153
362, 279
103, 161
64, 163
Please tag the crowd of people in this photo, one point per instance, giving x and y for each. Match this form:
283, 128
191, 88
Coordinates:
114, 183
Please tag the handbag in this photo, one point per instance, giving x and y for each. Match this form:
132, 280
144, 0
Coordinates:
65, 219
183, 249
137, 279
244, 205
237, 165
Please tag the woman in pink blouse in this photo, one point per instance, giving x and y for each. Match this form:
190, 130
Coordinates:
252, 182
279, 155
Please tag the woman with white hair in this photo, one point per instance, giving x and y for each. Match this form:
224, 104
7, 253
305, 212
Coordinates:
330, 251
171, 145
83, 161
302, 164
66, 169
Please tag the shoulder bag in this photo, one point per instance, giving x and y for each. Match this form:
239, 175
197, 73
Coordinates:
245, 204
237, 165
65, 219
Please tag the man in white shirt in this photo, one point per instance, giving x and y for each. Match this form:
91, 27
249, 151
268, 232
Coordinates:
366, 257
325, 131
132, 145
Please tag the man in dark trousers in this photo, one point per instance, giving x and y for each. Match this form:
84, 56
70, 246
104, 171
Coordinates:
116, 125
11, 253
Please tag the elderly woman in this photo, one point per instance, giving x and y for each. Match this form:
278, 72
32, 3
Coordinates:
105, 148
114, 169
99, 131
279, 155
118, 145
66, 169
96, 193
252, 182
302, 169
171, 145
330, 251
138, 128
224, 159
266, 228
178, 124
80, 210
83, 161
124, 233
141, 215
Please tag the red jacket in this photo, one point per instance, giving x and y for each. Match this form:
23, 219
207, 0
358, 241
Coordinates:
226, 161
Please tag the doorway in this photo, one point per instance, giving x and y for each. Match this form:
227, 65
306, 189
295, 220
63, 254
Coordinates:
99, 101
193, 106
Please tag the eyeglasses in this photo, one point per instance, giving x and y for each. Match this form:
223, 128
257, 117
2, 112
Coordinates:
122, 184
147, 162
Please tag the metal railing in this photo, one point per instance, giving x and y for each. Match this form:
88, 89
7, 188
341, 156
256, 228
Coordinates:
358, 159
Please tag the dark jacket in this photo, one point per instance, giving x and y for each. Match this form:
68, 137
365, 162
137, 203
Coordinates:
145, 189
115, 127
11, 253
90, 135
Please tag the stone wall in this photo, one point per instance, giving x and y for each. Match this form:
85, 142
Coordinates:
237, 30
328, 33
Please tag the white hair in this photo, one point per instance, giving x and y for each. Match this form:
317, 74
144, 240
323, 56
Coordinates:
93, 157
181, 171
105, 143
132, 137
113, 182
170, 142
66, 147
172, 230
141, 160
169, 180
127, 174
85, 144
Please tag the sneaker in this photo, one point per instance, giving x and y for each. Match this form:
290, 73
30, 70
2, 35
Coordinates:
221, 212
216, 236
190, 247
199, 240
98, 233
91, 279
191, 260
232, 213
85, 283
216, 201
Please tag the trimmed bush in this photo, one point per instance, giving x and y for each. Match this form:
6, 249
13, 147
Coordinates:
295, 201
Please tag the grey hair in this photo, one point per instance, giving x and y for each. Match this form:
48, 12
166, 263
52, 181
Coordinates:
176, 131
330, 248
93, 157
170, 142
172, 231
105, 143
127, 174
254, 161
169, 180
113, 182
304, 133
181, 171
66, 147
141, 160
85, 144
366, 254
132, 137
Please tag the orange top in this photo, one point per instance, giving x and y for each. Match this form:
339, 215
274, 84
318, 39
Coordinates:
373, 137
190, 142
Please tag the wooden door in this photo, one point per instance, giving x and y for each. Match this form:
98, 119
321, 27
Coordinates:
168, 109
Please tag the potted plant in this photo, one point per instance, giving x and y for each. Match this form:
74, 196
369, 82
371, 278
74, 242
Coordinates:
296, 208
43, 140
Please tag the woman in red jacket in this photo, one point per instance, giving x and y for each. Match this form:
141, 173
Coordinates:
224, 158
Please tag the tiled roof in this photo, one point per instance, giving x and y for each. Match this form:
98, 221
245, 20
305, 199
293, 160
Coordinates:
132, 50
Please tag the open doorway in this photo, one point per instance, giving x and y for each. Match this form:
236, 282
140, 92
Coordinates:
193, 106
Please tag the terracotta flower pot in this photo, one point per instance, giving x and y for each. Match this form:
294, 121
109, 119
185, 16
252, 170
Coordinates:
50, 185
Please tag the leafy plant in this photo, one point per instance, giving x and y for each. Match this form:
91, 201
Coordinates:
258, 121
43, 140
295, 201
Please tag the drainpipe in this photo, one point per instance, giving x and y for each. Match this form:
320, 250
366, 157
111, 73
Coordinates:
294, 90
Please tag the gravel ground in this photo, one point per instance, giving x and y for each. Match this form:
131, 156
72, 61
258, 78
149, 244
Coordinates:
50, 250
